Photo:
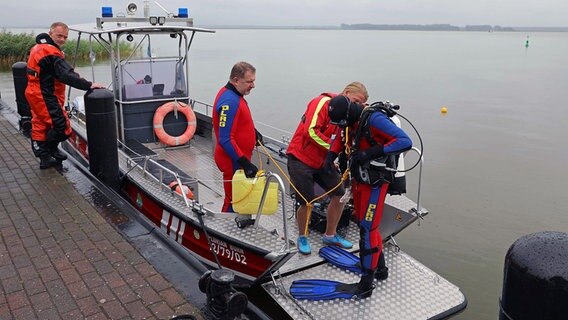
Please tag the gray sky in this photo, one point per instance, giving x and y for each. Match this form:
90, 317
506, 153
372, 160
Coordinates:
546, 13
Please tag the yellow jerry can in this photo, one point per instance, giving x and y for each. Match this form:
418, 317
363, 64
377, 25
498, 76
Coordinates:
247, 193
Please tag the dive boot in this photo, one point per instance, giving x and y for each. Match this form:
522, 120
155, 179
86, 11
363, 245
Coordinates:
382, 272
48, 162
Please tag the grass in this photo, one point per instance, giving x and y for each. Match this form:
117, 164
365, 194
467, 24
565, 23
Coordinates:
15, 47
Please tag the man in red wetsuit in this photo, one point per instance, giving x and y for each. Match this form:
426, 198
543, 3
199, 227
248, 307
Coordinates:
48, 73
306, 157
234, 129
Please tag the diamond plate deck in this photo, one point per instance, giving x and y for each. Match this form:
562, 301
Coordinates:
197, 161
411, 292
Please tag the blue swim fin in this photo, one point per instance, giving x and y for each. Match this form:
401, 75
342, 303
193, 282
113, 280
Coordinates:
312, 289
341, 258
317, 290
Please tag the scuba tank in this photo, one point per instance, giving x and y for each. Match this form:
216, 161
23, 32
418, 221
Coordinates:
382, 169
398, 185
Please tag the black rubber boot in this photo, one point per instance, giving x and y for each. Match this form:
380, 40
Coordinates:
39, 148
382, 272
54, 151
48, 162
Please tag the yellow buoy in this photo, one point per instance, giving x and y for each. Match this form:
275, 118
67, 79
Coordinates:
444, 110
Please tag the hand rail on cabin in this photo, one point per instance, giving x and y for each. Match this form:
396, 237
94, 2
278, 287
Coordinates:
208, 108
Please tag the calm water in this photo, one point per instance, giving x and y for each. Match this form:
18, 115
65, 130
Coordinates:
494, 164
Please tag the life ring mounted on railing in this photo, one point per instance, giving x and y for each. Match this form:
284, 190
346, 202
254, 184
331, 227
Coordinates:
161, 114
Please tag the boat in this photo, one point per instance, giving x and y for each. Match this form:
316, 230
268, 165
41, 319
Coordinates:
258, 249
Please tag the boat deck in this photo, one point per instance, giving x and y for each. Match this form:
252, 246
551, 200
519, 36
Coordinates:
197, 161
412, 291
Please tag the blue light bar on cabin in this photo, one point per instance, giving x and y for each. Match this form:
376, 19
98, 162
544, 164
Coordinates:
107, 12
183, 13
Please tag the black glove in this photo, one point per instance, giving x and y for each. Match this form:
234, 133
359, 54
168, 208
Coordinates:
56, 135
362, 157
249, 168
259, 138
342, 162
329, 165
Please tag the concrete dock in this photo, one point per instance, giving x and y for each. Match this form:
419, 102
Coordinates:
60, 258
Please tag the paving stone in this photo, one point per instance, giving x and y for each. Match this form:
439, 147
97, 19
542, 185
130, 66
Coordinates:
125, 294
65, 304
34, 286
70, 276
158, 282
114, 309
24, 313
93, 280
12, 285
79, 290
172, 297
88, 306
41, 301
161, 310
60, 259
137, 310
17, 300
148, 295
113, 279
50, 314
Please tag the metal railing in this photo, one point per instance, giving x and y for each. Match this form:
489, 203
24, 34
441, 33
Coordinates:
142, 163
204, 107
418, 196
274, 176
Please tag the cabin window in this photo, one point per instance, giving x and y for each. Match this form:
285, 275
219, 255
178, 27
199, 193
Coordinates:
153, 78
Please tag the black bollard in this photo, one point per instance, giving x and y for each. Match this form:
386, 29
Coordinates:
101, 136
20, 75
535, 281
224, 302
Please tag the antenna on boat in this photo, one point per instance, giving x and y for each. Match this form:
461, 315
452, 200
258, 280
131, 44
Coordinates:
165, 10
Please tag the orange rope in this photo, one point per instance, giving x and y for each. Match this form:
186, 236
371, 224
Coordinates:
309, 204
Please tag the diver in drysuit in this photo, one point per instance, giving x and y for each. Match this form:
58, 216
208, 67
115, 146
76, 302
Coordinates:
375, 141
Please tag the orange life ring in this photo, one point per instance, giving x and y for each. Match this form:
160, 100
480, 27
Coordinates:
161, 113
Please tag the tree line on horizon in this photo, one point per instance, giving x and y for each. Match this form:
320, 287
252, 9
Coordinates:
425, 27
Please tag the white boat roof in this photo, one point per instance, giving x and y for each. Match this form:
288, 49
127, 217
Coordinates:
91, 28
